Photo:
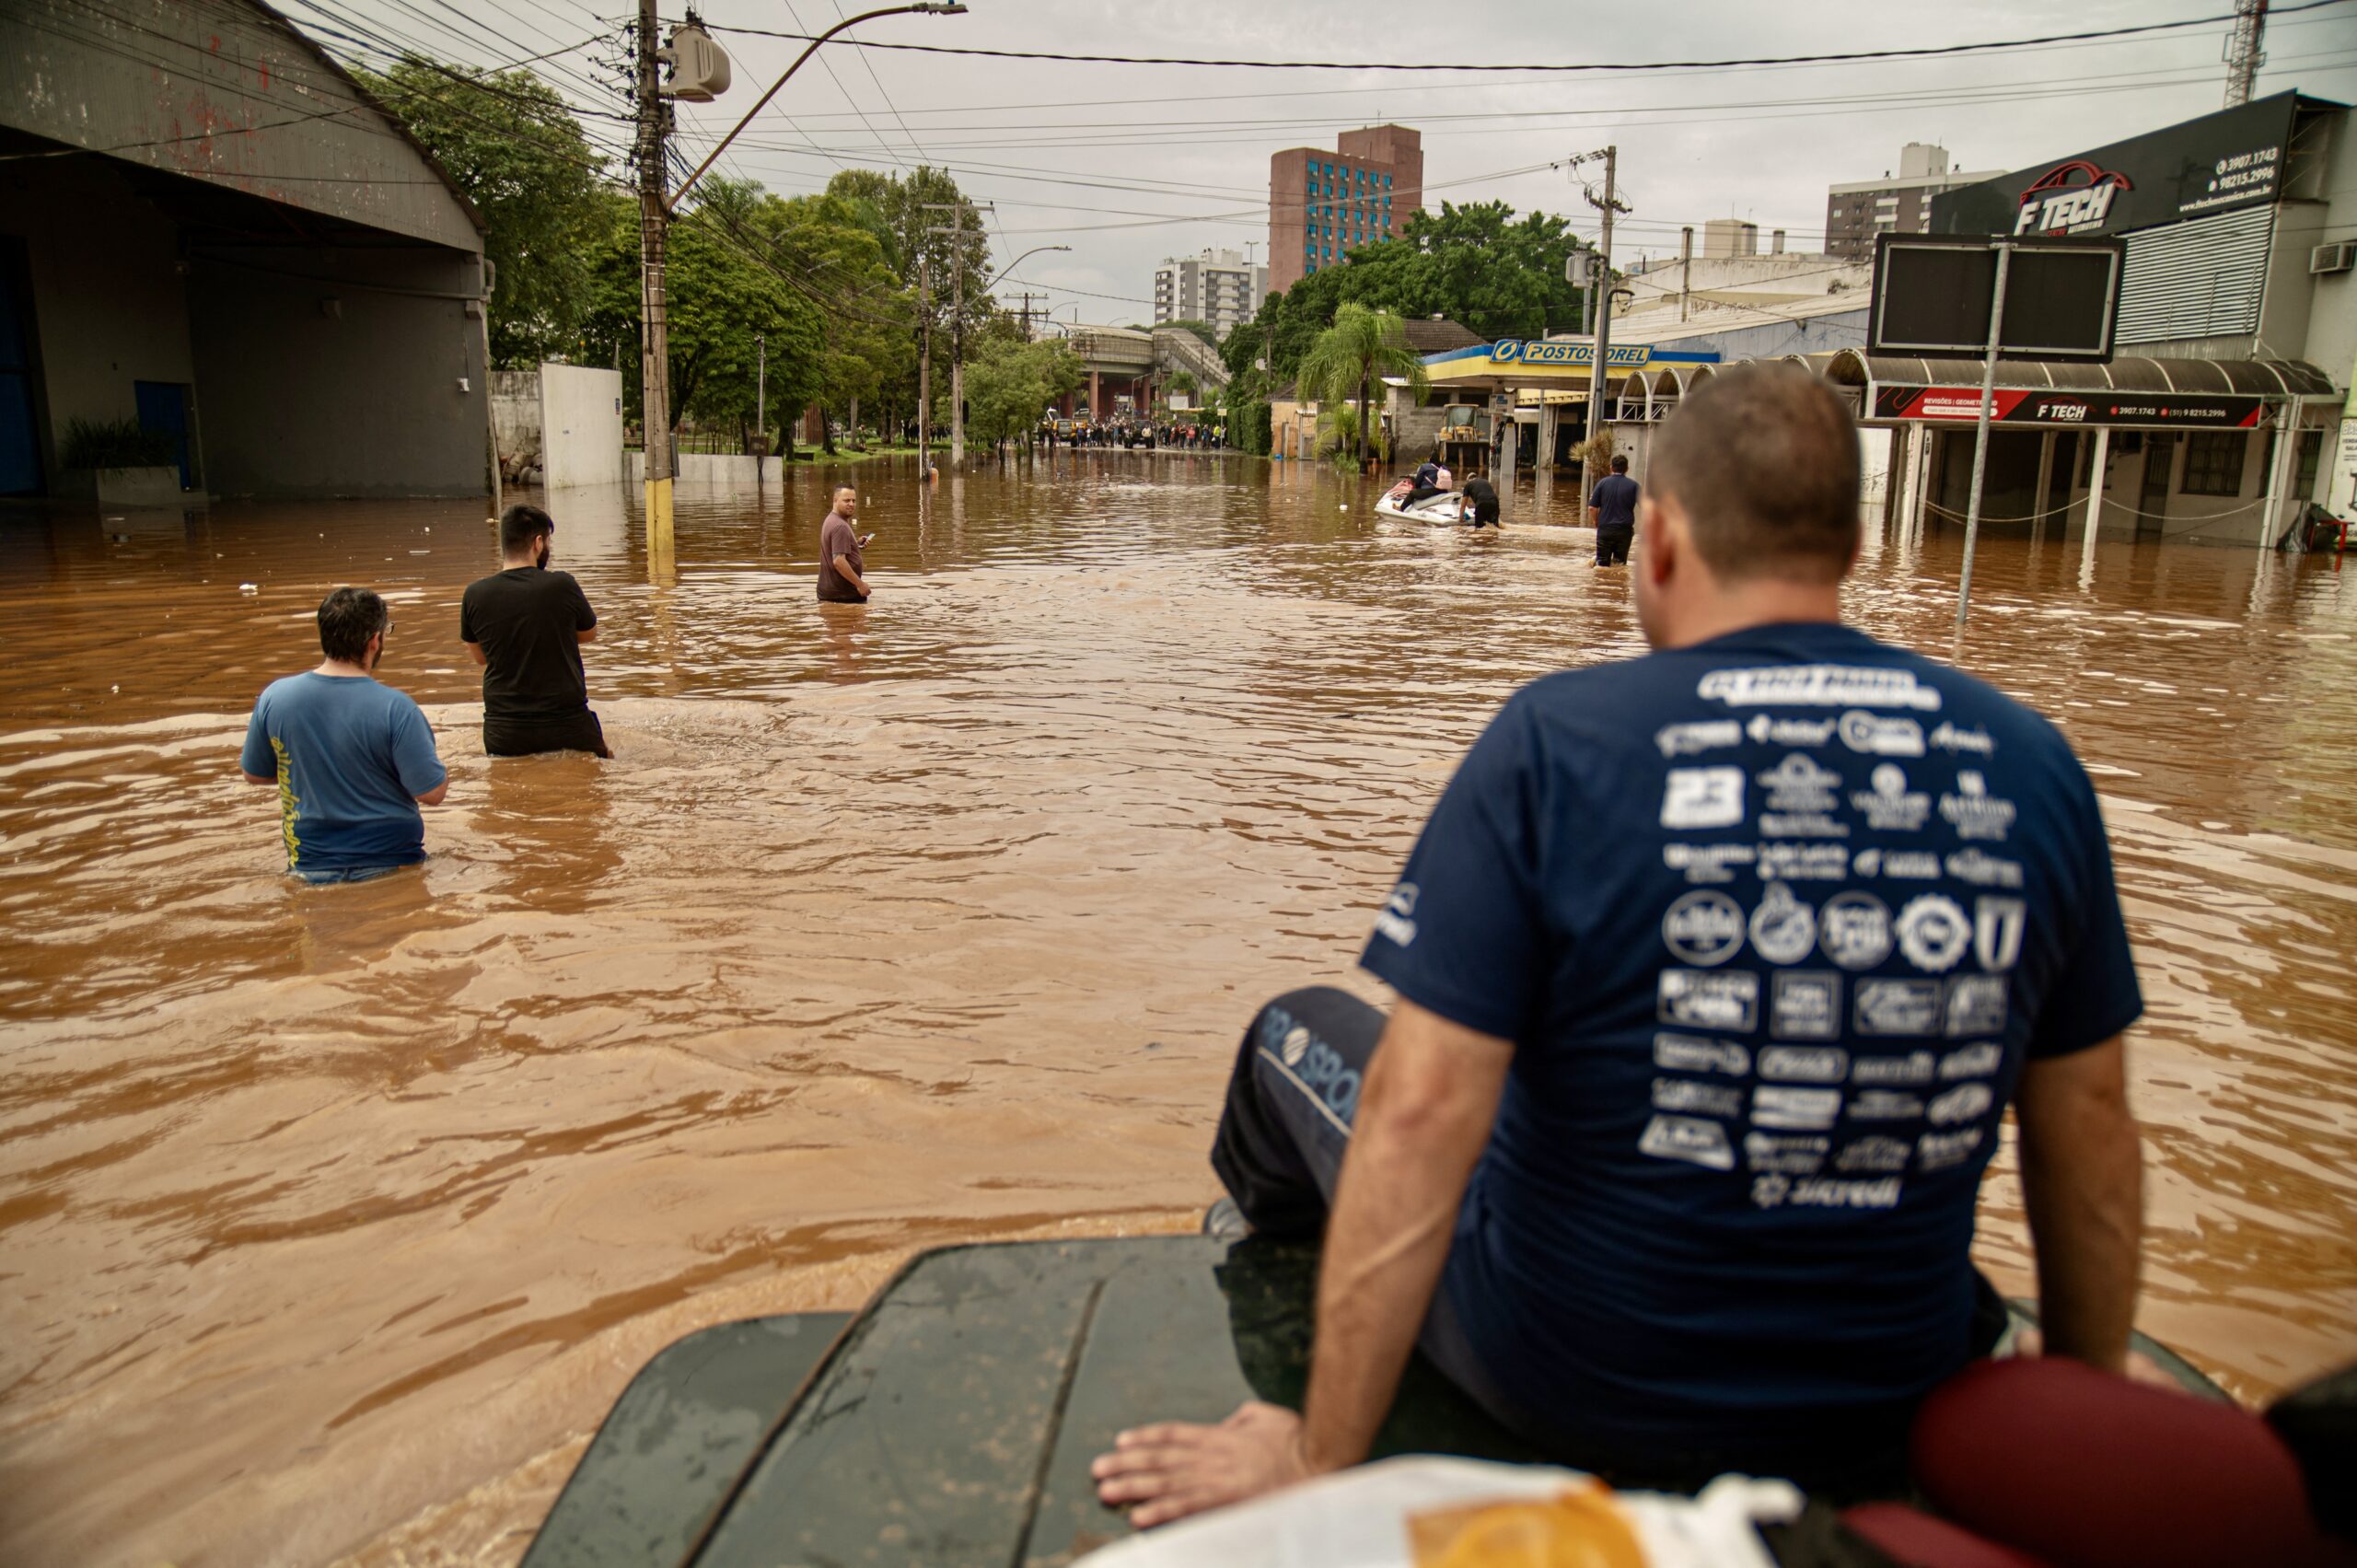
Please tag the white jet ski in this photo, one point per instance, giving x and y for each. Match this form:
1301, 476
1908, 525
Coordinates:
1445, 510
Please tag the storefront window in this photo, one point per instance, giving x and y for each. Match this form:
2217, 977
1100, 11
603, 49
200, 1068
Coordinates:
2213, 462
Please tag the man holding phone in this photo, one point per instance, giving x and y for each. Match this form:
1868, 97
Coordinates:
839, 563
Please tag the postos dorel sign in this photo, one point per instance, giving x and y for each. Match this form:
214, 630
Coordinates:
2233, 158
1537, 351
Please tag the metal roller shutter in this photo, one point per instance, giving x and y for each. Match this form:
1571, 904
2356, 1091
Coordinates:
2203, 278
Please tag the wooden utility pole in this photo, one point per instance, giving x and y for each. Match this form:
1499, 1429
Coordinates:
654, 219
957, 231
925, 366
1610, 205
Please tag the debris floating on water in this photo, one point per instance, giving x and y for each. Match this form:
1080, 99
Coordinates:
250, 587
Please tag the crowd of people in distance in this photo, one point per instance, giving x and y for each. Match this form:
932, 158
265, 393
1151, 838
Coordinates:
1132, 434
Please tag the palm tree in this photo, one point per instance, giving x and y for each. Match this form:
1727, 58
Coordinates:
1350, 356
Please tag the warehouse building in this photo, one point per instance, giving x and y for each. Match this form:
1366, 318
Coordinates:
208, 227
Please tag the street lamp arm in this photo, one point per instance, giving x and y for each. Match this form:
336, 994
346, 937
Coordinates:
1020, 259
929, 8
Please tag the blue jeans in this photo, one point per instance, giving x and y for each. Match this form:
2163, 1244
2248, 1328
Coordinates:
1283, 1134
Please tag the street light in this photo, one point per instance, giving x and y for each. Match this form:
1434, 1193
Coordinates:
655, 209
1025, 257
925, 8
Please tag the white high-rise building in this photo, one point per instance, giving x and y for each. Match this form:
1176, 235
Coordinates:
1219, 287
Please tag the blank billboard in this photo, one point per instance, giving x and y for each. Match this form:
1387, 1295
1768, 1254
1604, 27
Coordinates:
1931, 298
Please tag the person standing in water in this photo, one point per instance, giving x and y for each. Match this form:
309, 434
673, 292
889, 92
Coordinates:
1612, 509
1480, 507
840, 564
525, 625
353, 759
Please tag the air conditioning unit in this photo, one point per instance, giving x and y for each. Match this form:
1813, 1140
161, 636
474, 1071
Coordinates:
2337, 256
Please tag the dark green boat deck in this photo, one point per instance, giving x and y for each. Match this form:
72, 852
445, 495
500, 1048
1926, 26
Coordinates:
954, 1420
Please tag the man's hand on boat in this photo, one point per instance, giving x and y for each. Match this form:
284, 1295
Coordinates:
1177, 1468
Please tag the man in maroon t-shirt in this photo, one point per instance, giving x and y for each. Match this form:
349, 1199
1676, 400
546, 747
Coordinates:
839, 563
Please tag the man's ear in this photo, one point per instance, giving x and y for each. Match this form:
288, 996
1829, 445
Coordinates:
1664, 529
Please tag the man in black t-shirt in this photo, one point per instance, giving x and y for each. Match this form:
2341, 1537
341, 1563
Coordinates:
524, 626
1612, 509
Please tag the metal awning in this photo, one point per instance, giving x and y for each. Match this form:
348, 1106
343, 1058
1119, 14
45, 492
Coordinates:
2235, 377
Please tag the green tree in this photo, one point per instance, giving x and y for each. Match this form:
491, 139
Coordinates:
899, 204
727, 301
1498, 276
1351, 358
512, 146
1009, 382
830, 244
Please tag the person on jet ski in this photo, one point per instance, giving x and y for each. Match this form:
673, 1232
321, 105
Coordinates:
1430, 481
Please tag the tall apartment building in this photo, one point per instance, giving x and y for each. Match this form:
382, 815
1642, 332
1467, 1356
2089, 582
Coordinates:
1324, 205
1855, 214
1219, 287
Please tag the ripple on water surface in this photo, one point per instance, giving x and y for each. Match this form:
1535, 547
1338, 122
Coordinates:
334, 1218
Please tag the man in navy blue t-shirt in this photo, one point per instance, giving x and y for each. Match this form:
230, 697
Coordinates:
1612, 512
1717, 969
353, 761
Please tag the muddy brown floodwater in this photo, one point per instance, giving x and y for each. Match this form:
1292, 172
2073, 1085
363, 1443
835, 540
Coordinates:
332, 1220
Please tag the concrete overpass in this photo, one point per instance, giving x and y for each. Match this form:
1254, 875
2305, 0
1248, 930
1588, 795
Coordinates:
1125, 361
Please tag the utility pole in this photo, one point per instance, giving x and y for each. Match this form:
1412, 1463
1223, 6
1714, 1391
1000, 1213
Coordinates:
761, 394
924, 365
956, 230
1610, 205
1980, 429
1685, 269
2244, 57
654, 219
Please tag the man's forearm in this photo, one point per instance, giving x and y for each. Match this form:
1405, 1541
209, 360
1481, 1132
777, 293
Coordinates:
2083, 1186
1385, 1247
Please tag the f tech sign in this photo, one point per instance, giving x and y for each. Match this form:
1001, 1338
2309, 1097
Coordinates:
2070, 198
2164, 411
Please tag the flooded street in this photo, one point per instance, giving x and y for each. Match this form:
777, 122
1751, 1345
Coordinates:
332, 1220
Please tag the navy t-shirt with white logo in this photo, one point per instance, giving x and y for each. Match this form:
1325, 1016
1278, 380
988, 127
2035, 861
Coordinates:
1773, 923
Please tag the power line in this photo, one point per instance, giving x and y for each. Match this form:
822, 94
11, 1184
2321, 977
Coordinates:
1847, 56
1390, 91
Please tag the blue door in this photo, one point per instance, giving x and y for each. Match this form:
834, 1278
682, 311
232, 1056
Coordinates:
163, 408
19, 423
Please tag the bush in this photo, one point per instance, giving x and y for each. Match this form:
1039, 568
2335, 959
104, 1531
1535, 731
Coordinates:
119, 444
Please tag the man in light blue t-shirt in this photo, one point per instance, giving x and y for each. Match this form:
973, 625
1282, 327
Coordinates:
353, 761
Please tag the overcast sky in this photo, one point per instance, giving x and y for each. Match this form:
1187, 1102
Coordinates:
1129, 164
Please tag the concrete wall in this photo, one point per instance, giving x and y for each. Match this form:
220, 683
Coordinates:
515, 417
581, 422
361, 374
711, 468
110, 304
158, 81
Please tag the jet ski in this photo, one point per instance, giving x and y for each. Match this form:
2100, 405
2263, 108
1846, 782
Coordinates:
1443, 510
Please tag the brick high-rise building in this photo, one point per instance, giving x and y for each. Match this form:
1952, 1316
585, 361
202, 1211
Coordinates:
1324, 205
